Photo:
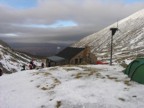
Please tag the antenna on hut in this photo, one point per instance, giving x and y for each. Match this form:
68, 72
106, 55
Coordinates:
113, 31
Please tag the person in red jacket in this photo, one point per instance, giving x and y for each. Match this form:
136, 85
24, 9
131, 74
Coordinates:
30, 66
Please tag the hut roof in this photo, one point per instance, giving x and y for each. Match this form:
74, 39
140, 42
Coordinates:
55, 58
69, 52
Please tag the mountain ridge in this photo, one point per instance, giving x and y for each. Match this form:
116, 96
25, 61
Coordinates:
11, 60
127, 42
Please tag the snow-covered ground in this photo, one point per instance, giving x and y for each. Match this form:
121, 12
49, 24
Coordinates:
84, 86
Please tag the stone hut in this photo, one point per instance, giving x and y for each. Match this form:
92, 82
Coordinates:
71, 55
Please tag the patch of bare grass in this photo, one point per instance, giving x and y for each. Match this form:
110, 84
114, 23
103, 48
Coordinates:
44, 88
80, 75
55, 83
122, 99
98, 75
58, 104
36, 73
43, 73
91, 73
124, 65
127, 82
70, 69
53, 68
46, 74
109, 77
38, 86
118, 80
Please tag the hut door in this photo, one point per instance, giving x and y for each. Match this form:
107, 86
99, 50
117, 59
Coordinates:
76, 61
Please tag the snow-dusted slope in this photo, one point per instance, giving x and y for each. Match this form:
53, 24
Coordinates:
88, 86
10, 60
128, 41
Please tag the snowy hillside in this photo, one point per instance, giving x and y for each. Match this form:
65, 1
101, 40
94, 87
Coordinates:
10, 60
85, 86
128, 41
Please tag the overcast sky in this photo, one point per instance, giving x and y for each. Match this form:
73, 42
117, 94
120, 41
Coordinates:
60, 21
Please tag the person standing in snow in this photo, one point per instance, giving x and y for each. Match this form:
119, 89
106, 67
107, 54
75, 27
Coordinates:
49, 64
31, 62
30, 66
42, 65
23, 67
1, 72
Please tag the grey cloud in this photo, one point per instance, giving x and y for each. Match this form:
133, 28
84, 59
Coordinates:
90, 15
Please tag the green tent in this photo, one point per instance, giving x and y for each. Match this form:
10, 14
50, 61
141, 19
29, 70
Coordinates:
135, 70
